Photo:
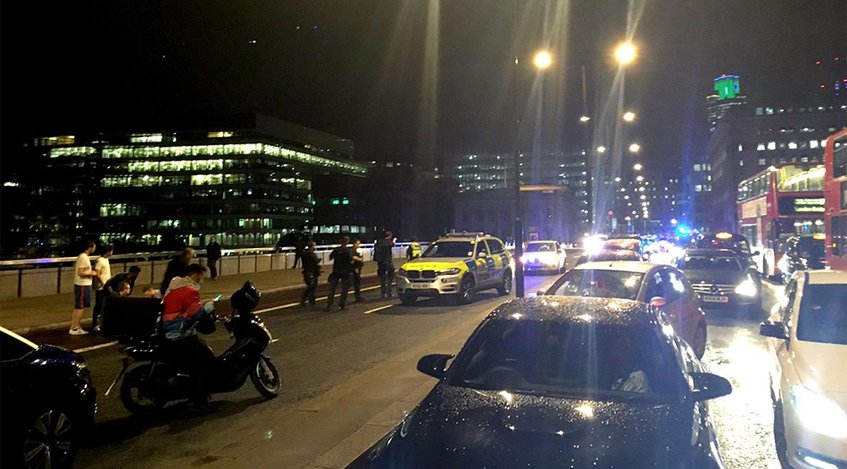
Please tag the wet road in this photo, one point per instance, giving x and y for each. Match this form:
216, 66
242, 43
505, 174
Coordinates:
318, 352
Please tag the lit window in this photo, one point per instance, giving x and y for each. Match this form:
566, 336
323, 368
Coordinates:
771, 145
762, 162
740, 147
813, 143
792, 145
219, 134
145, 138
760, 147
740, 162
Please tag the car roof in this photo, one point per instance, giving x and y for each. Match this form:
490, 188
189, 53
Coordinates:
624, 266
542, 241
466, 236
819, 277
711, 252
577, 309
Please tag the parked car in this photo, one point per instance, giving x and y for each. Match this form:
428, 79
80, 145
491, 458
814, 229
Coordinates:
48, 403
802, 253
561, 382
543, 256
661, 286
808, 347
609, 256
722, 281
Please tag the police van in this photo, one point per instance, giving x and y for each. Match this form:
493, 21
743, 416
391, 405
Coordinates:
457, 265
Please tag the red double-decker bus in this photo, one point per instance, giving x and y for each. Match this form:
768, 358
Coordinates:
776, 204
835, 193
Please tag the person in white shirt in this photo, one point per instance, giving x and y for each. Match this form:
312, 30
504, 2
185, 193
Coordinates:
104, 273
83, 273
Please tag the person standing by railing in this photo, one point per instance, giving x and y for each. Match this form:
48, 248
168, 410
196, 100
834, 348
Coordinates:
311, 272
213, 255
104, 273
83, 273
384, 257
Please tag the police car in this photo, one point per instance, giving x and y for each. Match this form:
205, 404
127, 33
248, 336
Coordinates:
457, 265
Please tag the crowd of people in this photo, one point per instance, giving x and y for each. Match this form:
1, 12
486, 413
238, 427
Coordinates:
347, 262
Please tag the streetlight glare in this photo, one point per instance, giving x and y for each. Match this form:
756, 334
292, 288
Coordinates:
637, 167
584, 119
629, 116
601, 149
542, 60
625, 53
635, 148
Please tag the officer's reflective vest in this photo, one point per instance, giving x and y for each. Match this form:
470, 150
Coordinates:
414, 250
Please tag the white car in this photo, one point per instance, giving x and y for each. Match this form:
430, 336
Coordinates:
543, 256
808, 343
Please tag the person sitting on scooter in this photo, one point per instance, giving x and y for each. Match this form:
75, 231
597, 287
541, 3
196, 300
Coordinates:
182, 310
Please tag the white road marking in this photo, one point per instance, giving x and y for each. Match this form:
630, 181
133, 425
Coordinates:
293, 305
95, 347
378, 309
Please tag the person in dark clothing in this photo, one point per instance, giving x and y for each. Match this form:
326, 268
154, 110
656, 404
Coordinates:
213, 255
177, 267
112, 287
358, 263
299, 251
311, 272
342, 271
385, 263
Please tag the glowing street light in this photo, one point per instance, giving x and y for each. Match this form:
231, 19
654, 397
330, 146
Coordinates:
639, 179
584, 119
629, 116
625, 53
634, 148
601, 149
637, 166
542, 60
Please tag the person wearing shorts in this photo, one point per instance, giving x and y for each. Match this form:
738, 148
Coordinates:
83, 274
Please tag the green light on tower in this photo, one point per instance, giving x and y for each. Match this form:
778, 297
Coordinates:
727, 86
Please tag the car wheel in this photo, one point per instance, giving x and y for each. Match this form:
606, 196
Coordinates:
505, 284
698, 342
466, 291
407, 299
779, 436
50, 440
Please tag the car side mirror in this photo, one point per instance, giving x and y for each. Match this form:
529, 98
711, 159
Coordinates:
773, 329
434, 365
709, 386
481, 255
658, 302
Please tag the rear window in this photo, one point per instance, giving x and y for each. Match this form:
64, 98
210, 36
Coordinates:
598, 283
541, 247
823, 317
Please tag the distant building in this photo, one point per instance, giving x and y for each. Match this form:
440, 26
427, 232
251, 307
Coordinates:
490, 171
246, 179
549, 212
727, 96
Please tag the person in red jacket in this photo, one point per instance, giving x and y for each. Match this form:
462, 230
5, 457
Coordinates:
182, 310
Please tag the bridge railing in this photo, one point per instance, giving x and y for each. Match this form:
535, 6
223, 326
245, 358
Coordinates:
50, 276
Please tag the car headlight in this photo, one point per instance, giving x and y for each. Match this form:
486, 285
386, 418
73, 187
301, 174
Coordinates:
452, 271
817, 413
401, 272
747, 288
523, 259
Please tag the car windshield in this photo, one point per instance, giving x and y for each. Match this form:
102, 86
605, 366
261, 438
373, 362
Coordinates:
540, 247
823, 317
709, 263
598, 283
449, 249
565, 359
735, 243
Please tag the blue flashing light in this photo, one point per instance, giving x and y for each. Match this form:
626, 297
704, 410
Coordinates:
683, 230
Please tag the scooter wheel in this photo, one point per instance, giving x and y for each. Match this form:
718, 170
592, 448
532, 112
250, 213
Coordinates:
266, 378
137, 392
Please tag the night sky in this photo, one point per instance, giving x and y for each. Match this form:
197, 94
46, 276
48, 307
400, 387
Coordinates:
356, 67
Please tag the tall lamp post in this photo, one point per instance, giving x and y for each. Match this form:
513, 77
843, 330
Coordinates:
542, 60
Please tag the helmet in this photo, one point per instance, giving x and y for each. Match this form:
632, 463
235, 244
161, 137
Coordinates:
245, 299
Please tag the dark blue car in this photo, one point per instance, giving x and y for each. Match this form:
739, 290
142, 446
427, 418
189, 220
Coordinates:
561, 382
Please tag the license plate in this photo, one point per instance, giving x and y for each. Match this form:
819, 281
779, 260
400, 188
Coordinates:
420, 285
715, 299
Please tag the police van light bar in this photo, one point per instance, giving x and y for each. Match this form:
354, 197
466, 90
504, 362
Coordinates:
464, 234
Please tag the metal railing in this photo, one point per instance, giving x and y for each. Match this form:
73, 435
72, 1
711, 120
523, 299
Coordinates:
50, 276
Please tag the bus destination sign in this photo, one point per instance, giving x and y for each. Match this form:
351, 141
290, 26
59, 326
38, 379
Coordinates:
794, 205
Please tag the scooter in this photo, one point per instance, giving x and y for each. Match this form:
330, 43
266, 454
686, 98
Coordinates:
154, 381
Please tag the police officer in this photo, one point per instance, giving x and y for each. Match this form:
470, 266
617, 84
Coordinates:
358, 263
385, 263
311, 272
414, 250
342, 271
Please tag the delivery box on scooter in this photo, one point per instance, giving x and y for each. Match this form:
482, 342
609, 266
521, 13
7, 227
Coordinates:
128, 318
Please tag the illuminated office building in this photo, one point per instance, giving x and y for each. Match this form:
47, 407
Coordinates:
248, 183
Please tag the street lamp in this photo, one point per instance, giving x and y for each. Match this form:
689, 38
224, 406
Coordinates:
625, 53
637, 166
629, 116
542, 60
634, 148
601, 149
584, 119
